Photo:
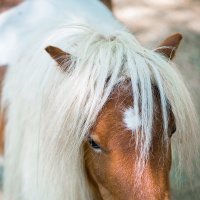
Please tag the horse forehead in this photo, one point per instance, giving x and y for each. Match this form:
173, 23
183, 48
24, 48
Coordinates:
118, 120
119, 112
129, 118
112, 115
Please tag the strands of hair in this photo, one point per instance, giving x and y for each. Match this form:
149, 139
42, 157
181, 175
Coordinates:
50, 112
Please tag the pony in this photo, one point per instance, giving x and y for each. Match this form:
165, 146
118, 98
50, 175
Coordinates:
92, 114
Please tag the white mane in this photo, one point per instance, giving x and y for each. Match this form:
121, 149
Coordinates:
49, 112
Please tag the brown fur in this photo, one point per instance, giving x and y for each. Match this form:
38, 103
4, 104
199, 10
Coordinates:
169, 46
60, 57
113, 170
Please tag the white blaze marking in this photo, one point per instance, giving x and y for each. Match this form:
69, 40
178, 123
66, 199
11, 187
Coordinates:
131, 119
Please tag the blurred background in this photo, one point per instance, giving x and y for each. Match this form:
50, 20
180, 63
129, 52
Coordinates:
152, 21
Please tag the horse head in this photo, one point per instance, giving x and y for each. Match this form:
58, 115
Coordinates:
111, 152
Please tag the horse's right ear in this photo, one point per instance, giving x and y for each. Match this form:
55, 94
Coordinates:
62, 58
169, 46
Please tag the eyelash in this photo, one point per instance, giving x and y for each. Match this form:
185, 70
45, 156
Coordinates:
94, 145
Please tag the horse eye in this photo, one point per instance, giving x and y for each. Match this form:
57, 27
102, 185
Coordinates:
94, 145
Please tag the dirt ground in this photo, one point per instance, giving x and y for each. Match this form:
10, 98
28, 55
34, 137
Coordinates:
151, 21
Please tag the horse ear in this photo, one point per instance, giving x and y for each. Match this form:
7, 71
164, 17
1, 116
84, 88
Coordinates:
62, 58
169, 46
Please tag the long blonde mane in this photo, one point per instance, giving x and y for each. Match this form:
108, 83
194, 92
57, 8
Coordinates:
50, 113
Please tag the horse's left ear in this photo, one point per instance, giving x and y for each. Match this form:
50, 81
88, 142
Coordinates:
62, 58
169, 46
